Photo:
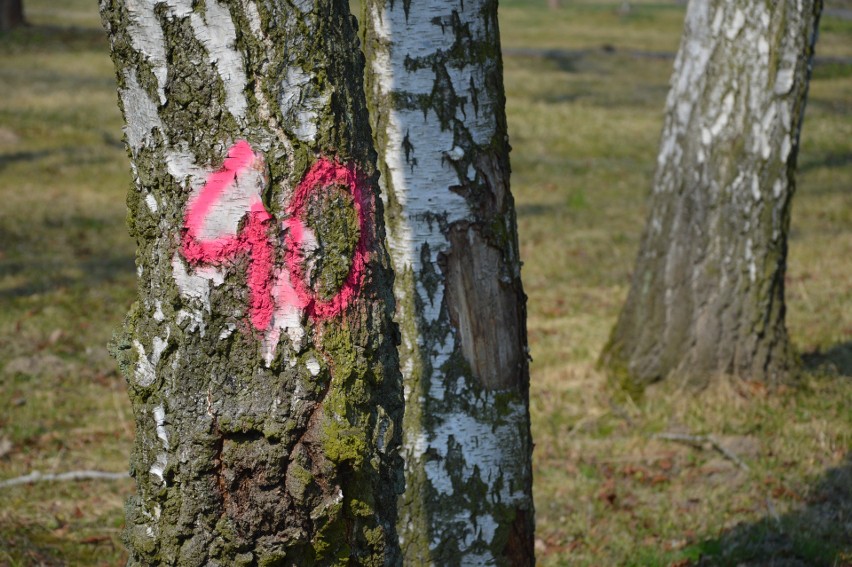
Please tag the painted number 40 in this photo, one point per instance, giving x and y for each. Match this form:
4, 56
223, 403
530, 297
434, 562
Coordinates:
227, 220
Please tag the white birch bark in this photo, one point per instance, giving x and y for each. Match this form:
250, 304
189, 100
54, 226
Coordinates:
434, 85
707, 296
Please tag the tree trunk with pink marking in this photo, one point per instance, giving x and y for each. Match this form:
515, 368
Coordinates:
261, 353
707, 294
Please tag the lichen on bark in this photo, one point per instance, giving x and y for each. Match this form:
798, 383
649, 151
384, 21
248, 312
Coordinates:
707, 294
434, 85
257, 444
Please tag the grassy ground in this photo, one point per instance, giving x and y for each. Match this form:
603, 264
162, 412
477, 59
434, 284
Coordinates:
66, 277
584, 127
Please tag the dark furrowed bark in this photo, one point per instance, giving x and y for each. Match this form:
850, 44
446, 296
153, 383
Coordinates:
261, 354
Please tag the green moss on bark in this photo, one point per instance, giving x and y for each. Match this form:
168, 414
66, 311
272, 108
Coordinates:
238, 461
707, 297
332, 217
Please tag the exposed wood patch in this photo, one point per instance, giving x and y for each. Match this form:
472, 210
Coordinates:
484, 309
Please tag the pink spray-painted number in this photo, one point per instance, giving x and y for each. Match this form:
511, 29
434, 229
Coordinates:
321, 176
254, 240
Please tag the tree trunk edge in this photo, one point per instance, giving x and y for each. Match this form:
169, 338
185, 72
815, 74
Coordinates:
11, 15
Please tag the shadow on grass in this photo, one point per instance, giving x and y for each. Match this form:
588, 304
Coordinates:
20, 549
51, 38
78, 155
48, 275
534, 209
39, 545
826, 160
26, 157
566, 60
76, 251
817, 534
837, 359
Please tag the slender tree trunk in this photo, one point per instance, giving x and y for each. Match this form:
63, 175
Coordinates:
261, 354
11, 14
435, 85
707, 295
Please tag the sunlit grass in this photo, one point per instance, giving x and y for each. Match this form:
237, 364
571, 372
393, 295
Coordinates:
66, 278
584, 124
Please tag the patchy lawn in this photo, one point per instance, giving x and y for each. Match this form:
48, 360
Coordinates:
766, 476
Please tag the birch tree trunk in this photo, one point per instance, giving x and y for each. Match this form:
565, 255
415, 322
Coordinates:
435, 88
11, 14
707, 295
261, 354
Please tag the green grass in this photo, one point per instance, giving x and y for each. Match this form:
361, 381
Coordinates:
584, 128
66, 277
584, 131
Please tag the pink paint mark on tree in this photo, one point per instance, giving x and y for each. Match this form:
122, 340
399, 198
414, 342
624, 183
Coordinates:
240, 157
253, 239
261, 262
324, 174
223, 200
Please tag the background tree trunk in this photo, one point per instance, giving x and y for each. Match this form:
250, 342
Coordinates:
435, 85
260, 355
707, 295
11, 14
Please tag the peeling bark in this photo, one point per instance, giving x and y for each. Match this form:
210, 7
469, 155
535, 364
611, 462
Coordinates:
261, 354
483, 310
434, 84
707, 295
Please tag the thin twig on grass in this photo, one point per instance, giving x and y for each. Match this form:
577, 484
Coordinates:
37, 476
698, 441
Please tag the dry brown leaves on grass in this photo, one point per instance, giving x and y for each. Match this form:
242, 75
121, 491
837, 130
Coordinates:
585, 135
